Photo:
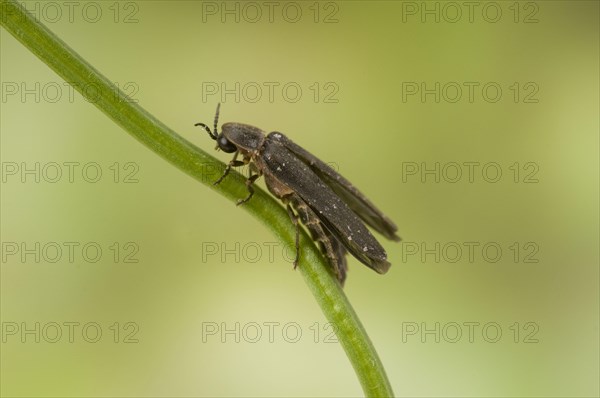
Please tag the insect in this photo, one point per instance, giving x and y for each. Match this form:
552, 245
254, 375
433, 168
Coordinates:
331, 208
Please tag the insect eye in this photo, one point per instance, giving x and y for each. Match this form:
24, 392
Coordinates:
225, 144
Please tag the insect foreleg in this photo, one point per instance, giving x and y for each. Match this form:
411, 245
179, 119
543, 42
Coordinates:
233, 163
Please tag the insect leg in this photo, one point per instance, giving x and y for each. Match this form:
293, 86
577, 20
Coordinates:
340, 254
249, 183
233, 163
330, 246
294, 218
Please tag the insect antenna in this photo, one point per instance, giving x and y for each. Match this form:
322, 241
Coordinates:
213, 134
217, 117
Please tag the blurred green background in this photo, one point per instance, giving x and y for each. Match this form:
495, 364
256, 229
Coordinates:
194, 297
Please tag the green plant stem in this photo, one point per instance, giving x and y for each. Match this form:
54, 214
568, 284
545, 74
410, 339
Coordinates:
184, 155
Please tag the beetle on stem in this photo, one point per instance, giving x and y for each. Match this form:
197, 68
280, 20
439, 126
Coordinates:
332, 209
